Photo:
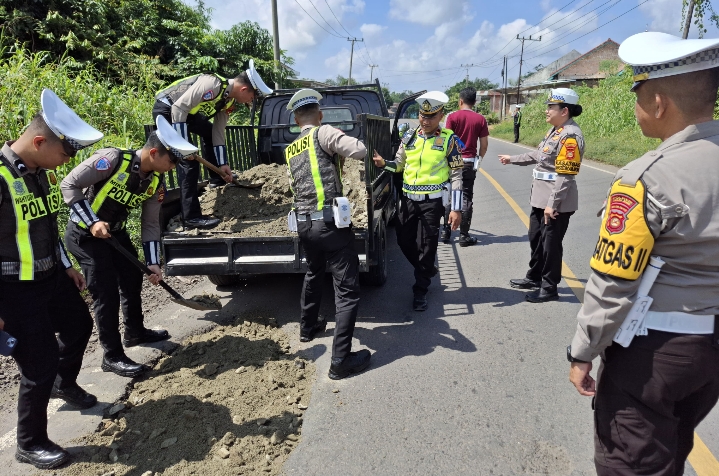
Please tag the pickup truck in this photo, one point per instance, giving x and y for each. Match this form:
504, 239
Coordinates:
359, 111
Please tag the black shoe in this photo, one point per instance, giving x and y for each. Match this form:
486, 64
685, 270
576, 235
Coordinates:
355, 362
45, 456
542, 295
74, 395
466, 240
419, 303
124, 366
524, 283
446, 235
308, 335
202, 222
149, 335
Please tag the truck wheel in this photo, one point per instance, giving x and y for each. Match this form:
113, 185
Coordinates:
223, 279
377, 274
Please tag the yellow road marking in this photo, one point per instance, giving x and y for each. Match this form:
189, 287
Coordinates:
701, 458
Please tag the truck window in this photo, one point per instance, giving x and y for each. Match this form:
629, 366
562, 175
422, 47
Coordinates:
331, 116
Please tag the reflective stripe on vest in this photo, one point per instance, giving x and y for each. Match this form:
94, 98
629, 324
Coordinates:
303, 144
426, 163
28, 207
116, 188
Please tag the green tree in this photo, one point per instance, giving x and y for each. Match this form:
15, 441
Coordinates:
480, 84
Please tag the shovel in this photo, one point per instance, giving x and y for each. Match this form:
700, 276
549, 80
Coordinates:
221, 174
176, 297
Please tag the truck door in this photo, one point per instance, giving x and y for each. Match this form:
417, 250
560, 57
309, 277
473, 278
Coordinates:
402, 114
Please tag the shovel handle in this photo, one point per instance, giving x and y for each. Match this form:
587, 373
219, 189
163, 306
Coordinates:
211, 167
116, 244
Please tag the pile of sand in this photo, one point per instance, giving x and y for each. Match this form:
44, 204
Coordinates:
226, 402
263, 211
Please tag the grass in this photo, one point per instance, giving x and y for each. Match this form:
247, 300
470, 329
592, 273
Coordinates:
610, 131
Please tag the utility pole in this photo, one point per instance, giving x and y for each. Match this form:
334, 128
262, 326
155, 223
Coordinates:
349, 81
371, 71
276, 42
688, 21
519, 78
466, 78
504, 88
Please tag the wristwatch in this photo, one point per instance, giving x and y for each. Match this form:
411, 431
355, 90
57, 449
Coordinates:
572, 359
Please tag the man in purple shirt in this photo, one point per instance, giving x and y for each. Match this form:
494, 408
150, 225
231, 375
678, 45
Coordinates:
471, 127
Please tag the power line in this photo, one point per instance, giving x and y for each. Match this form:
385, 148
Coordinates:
323, 18
338, 21
313, 19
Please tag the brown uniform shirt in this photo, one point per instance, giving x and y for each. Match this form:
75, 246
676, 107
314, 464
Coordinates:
334, 141
682, 214
198, 93
552, 157
95, 169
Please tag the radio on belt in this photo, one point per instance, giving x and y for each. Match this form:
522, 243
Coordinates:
342, 212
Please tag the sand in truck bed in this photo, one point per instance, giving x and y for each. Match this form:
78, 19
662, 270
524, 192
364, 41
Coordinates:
263, 211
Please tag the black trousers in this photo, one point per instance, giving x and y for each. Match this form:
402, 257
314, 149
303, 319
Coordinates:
329, 247
545, 242
418, 237
113, 282
650, 398
34, 312
516, 132
469, 175
188, 171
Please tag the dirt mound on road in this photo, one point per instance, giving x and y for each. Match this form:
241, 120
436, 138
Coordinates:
226, 402
263, 211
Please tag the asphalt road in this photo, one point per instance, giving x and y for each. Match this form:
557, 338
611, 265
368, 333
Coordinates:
476, 385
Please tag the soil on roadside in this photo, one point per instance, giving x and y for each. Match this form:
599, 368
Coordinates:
226, 402
263, 211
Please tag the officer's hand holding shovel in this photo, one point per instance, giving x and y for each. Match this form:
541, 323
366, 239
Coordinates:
226, 173
378, 160
100, 229
156, 275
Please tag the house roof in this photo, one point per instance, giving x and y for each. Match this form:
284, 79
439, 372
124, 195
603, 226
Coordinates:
609, 40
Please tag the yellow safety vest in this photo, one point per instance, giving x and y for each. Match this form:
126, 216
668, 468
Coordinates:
426, 168
28, 207
116, 190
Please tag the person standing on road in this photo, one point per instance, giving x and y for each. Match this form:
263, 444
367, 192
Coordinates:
430, 157
517, 116
471, 127
38, 286
652, 394
100, 192
315, 170
554, 197
202, 104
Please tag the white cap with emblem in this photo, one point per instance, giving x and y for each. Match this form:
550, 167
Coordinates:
563, 95
432, 102
658, 55
256, 80
65, 123
171, 139
303, 97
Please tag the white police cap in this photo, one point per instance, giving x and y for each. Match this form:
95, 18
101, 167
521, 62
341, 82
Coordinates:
655, 55
256, 80
303, 97
65, 123
432, 102
171, 139
563, 95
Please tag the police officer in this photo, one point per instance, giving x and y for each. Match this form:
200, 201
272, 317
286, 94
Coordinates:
38, 287
202, 104
430, 158
100, 192
554, 197
517, 116
652, 394
315, 169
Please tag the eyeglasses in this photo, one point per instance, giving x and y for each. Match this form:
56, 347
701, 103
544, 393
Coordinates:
68, 149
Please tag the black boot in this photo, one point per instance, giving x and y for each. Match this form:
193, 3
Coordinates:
355, 362
542, 295
122, 366
419, 303
145, 337
74, 395
446, 234
308, 335
45, 456
524, 283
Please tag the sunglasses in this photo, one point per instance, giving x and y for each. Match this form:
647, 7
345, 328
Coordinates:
68, 149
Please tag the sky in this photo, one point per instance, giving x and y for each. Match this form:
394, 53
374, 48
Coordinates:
422, 44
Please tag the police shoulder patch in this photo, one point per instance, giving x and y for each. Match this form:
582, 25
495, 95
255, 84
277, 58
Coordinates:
161, 193
625, 239
568, 160
209, 95
103, 163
